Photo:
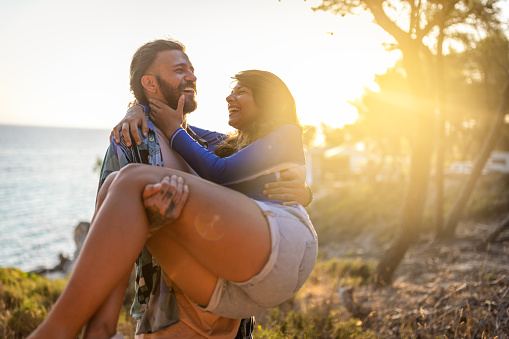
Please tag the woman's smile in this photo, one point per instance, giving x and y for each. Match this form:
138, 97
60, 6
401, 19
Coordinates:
242, 108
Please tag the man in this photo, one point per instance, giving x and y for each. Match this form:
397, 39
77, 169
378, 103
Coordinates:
161, 70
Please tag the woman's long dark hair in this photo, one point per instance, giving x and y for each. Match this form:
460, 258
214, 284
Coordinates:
276, 104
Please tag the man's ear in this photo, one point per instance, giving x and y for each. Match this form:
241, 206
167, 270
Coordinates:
149, 82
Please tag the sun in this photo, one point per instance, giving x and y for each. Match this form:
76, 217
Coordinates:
326, 65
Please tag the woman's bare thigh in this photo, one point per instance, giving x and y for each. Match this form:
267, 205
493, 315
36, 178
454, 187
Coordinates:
222, 229
183, 269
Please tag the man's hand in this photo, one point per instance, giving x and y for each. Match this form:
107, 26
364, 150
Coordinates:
164, 201
291, 188
133, 119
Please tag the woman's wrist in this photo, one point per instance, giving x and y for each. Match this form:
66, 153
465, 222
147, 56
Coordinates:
171, 130
310, 196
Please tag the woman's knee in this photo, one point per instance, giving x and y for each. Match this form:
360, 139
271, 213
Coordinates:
129, 175
103, 192
131, 170
143, 174
134, 172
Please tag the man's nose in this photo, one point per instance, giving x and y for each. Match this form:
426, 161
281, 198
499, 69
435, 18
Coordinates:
191, 77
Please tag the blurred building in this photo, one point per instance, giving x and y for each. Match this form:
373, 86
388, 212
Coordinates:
497, 162
349, 162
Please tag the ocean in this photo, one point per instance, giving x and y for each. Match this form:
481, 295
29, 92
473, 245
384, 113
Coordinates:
48, 185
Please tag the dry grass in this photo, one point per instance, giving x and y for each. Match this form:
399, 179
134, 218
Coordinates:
441, 290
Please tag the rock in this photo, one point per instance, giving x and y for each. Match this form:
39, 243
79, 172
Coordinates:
66, 265
80, 233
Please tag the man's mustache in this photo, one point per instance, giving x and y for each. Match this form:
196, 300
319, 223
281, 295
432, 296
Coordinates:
187, 84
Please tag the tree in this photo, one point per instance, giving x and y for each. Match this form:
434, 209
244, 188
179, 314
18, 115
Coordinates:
383, 114
466, 192
333, 136
488, 60
309, 136
414, 25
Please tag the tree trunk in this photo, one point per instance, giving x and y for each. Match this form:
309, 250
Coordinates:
415, 198
493, 236
439, 166
413, 206
490, 143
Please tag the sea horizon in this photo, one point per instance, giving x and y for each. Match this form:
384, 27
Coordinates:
48, 184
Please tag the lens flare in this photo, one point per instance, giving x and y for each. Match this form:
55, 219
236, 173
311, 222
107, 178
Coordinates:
208, 227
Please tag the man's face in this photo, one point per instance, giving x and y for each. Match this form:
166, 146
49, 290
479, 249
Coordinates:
175, 76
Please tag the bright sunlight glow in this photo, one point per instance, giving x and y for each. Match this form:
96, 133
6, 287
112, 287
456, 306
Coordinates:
66, 63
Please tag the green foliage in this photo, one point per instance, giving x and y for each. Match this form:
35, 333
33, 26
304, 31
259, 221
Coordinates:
386, 116
24, 301
321, 321
312, 324
364, 208
350, 210
305, 317
333, 136
309, 136
342, 271
98, 165
490, 197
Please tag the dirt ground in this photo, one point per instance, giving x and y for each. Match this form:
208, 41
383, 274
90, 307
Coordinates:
440, 290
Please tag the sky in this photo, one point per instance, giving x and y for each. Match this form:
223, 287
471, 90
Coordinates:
66, 63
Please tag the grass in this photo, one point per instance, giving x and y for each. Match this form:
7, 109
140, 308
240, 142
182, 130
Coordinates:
320, 322
349, 211
24, 301
314, 312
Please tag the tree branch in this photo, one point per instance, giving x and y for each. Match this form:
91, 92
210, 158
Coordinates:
382, 20
448, 7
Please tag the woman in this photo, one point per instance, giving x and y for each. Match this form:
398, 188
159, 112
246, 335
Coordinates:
228, 252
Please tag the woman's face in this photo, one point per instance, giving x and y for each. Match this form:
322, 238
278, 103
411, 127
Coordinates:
241, 107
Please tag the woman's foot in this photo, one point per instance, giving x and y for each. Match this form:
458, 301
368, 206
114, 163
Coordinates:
164, 201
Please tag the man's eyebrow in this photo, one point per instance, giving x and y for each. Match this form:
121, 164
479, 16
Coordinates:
183, 64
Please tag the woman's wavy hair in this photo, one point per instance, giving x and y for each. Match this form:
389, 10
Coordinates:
276, 104
143, 58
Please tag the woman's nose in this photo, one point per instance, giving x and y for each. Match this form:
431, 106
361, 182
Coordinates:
230, 98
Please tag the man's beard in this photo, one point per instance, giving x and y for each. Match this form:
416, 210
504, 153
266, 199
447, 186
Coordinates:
172, 95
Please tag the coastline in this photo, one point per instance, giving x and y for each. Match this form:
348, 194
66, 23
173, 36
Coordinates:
65, 264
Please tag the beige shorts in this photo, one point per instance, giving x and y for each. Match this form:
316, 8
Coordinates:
293, 257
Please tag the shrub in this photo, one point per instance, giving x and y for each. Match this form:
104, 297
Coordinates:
24, 301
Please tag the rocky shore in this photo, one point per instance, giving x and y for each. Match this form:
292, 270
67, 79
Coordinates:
66, 264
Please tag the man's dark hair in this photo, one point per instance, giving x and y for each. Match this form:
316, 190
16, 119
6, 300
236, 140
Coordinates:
143, 58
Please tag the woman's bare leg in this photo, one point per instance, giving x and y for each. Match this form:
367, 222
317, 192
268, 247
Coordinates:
116, 238
223, 230
103, 323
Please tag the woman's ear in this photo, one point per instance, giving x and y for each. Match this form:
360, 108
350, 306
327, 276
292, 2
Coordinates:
149, 82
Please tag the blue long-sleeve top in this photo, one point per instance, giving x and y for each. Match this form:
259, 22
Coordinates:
212, 139
249, 169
